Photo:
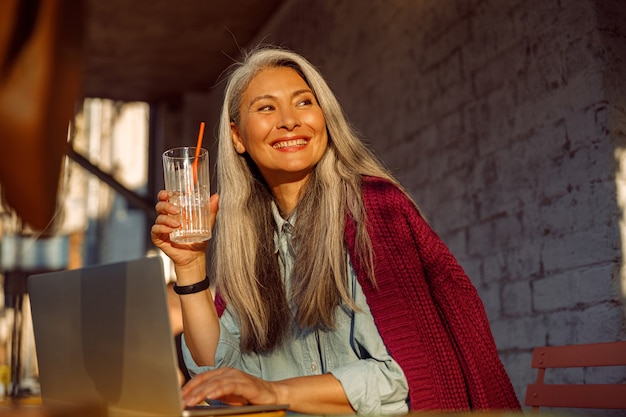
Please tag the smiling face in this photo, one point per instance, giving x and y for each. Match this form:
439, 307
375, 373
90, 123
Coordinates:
281, 126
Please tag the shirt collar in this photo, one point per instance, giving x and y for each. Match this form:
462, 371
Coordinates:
284, 227
280, 221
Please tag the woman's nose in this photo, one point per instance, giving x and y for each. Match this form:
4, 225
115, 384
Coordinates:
288, 119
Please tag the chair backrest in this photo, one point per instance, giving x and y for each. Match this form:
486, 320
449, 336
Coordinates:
582, 395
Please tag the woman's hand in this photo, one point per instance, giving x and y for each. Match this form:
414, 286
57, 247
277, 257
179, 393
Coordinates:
182, 254
316, 394
231, 386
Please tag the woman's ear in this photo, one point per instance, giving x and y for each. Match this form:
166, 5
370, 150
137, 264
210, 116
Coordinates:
237, 142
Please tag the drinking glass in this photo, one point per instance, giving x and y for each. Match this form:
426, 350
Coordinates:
188, 187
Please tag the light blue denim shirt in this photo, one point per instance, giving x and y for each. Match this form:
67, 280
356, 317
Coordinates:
353, 352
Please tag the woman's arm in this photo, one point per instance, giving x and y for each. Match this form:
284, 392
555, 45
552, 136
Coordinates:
200, 320
317, 394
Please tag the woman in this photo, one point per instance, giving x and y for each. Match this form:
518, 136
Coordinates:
333, 294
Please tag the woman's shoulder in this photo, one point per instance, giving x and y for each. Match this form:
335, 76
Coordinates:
385, 201
381, 192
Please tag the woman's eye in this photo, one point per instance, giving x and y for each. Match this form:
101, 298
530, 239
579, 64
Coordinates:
305, 102
266, 107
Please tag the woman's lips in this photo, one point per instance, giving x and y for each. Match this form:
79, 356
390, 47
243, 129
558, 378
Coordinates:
290, 143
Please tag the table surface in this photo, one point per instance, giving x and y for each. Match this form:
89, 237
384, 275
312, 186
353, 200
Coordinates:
32, 407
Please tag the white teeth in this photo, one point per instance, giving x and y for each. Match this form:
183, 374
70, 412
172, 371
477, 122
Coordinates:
286, 144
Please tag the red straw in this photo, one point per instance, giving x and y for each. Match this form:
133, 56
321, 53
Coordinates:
198, 147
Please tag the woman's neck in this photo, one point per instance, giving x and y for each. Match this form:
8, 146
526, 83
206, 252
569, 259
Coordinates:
287, 195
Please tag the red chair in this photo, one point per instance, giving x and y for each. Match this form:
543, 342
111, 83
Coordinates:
609, 396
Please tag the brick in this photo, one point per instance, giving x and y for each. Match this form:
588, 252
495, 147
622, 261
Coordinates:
523, 262
537, 17
449, 128
495, 267
441, 40
578, 57
542, 78
490, 296
578, 17
502, 229
491, 117
599, 323
517, 365
605, 375
521, 333
499, 73
583, 286
564, 376
456, 240
488, 41
472, 267
578, 250
602, 323
516, 299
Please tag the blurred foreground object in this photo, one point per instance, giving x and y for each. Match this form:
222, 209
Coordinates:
41, 62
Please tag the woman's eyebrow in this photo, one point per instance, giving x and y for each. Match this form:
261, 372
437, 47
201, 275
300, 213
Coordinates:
272, 97
301, 91
262, 97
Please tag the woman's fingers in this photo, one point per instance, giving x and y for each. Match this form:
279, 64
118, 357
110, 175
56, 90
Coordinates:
228, 385
163, 195
165, 207
167, 220
161, 230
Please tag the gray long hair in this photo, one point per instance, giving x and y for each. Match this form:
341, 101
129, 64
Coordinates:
246, 267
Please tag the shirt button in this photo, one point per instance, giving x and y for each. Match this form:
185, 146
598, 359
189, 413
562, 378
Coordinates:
313, 367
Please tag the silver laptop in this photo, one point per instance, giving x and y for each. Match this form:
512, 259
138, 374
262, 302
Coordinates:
103, 336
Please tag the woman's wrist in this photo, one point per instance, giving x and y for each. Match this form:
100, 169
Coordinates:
192, 288
281, 391
190, 273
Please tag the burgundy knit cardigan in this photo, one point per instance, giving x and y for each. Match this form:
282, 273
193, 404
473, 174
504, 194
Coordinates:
426, 309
